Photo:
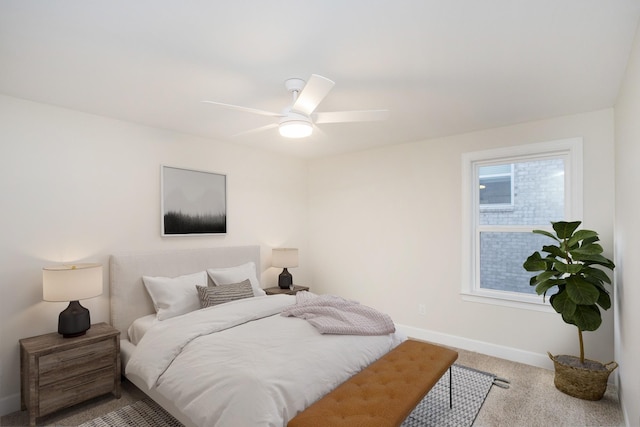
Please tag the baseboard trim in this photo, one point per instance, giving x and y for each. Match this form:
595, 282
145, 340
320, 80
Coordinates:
509, 353
9, 404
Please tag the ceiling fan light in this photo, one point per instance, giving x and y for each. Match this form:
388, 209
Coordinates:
295, 129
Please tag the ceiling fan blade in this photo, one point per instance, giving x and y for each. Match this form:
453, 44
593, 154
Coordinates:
350, 116
256, 130
312, 94
245, 109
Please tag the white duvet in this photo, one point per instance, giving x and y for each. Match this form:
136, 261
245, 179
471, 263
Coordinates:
242, 364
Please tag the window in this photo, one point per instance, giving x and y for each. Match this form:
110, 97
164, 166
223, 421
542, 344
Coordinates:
496, 186
508, 193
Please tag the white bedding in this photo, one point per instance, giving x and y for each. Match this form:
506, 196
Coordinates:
140, 327
243, 364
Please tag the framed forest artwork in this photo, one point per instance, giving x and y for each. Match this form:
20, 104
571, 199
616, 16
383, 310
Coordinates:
192, 202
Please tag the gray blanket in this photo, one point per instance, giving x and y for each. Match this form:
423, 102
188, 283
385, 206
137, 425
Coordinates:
331, 314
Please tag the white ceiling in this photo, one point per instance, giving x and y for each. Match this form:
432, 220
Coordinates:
441, 67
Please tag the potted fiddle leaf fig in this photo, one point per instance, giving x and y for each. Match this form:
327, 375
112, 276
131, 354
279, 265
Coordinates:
570, 270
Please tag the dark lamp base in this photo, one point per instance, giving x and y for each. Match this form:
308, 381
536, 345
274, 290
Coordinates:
285, 279
74, 321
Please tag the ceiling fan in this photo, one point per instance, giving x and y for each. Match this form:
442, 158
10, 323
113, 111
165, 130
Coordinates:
298, 119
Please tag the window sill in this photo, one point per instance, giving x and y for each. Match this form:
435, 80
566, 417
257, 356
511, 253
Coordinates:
509, 299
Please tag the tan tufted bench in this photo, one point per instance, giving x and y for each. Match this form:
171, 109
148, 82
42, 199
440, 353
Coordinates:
385, 392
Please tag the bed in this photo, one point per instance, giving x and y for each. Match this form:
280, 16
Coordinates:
236, 363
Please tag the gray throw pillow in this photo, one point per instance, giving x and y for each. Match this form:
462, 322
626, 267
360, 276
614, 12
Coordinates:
214, 295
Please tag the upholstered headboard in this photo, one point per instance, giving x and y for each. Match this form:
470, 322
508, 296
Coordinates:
129, 298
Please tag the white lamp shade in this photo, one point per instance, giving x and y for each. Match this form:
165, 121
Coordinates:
71, 282
284, 257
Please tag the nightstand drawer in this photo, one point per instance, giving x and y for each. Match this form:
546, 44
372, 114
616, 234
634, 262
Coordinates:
77, 361
58, 372
62, 394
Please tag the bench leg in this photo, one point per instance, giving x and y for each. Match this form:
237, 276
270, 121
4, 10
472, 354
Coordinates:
450, 389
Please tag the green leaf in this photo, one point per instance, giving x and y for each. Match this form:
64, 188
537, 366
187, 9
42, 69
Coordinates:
595, 259
595, 273
586, 317
582, 235
596, 282
554, 250
581, 292
543, 277
543, 287
604, 300
545, 233
562, 304
567, 268
564, 229
590, 240
590, 249
535, 262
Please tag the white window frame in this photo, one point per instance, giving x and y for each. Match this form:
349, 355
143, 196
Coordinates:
571, 151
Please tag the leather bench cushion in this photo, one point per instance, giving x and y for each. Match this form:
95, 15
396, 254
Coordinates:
385, 392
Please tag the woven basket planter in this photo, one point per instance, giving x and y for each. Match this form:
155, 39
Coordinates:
588, 381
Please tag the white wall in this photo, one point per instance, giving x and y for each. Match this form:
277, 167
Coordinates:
397, 212
627, 236
77, 187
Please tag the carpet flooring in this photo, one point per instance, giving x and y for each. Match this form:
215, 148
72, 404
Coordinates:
533, 401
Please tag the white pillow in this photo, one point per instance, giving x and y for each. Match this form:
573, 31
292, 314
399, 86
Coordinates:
230, 275
175, 296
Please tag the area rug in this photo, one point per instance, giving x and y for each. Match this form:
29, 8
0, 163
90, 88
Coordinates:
470, 388
143, 413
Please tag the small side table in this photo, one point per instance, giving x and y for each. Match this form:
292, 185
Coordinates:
276, 290
59, 372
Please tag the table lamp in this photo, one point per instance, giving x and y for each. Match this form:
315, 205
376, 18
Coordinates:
72, 283
285, 258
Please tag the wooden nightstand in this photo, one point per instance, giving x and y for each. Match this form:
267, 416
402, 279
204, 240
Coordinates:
58, 372
277, 290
